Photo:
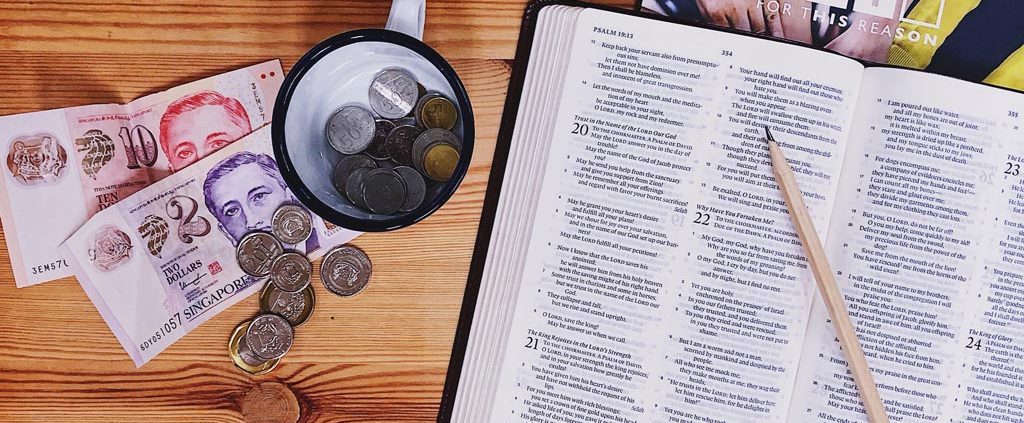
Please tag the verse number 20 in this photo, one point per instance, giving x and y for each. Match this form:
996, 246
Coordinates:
580, 129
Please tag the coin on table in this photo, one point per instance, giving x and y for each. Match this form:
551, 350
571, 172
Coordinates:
383, 191
345, 167
415, 188
242, 355
376, 149
256, 251
393, 93
399, 143
354, 187
439, 162
346, 270
291, 224
270, 336
435, 111
350, 129
295, 307
291, 272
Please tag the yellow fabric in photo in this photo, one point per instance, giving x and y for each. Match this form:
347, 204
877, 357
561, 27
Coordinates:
918, 55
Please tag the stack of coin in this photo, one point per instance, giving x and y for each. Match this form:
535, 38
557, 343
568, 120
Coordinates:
393, 148
287, 300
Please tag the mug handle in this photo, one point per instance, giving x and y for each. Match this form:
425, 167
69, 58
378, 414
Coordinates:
408, 17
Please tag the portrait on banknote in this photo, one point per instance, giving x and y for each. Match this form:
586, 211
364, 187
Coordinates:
243, 191
200, 123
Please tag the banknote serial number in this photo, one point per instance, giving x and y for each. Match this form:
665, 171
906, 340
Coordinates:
49, 267
164, 330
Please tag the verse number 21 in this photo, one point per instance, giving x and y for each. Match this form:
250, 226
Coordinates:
531, 342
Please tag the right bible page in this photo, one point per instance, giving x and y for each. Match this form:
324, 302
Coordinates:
927, 242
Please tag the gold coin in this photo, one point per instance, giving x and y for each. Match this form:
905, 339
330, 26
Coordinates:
439, 162
295, 307
234, 351
438, 112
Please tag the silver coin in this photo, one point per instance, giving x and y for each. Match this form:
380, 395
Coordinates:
399, 143
291, 272
291, 224
346, 270
354, 187
415, 188
350, 129
248, 355
344, 168
383, 191
270, 336
393, 93
256, 251
428, 139
376, 148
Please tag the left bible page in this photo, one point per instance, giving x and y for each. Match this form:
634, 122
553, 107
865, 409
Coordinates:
663, 280
65, 165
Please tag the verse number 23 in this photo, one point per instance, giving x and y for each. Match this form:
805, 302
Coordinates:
1012, 169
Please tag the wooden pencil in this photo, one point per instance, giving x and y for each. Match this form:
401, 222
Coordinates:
830, 293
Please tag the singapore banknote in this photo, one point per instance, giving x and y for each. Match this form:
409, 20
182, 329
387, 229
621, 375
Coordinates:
162, 261
62, 166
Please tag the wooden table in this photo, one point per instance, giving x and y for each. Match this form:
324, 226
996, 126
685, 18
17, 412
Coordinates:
380, 356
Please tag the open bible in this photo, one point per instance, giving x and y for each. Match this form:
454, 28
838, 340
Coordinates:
636, 262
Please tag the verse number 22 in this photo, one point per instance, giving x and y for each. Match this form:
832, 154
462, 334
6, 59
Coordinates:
703, 219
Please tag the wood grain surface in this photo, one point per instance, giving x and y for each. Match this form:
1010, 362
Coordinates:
380, 356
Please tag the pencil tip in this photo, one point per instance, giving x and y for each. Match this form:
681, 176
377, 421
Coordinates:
768, 132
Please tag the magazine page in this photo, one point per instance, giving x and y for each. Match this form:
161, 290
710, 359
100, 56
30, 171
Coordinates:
974, 40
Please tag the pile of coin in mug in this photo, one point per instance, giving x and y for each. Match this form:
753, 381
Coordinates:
287, 300
392, 153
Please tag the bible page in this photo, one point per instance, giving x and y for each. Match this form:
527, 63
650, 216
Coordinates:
928, 249
663, 279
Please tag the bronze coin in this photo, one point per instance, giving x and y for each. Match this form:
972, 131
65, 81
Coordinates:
439, 162
437, 112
